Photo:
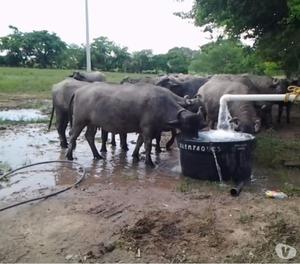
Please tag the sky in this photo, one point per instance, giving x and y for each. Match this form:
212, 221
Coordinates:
136, 24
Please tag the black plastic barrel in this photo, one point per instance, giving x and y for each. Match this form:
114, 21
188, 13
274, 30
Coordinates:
233, 154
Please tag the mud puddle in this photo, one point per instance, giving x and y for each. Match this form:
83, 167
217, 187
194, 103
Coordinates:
22, 115
26, 144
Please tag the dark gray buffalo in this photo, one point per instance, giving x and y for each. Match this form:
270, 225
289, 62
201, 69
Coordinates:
140, 108
95, 76
188, 87
62, 93
244, 113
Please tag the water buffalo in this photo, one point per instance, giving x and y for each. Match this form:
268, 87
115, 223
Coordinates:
244, 113
62, 93
285, 83
183, 85
95, 76
188, 86
141, 108
257, 85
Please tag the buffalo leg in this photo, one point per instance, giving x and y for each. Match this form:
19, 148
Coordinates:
157, 147
172, 139
288, 111
75, 133
148, 146
280, 108
138, 145
90, 137
61, 126
113, 139
123, 140
104, 136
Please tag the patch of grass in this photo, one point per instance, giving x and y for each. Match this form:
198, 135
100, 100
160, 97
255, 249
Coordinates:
4, 168
271, 150
291, 189
277, 231
187, 185
246, 218
23, 122
38, 82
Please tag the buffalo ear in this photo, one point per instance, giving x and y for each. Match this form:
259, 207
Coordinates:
173, 123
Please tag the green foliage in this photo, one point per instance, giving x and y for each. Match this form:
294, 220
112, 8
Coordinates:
73, 57
107, 56
34, 49
179, 59
275, 26
225, 56
141, 61
281, 150
272, 69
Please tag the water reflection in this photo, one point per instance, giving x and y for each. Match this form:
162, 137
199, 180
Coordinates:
22, 115
21, 145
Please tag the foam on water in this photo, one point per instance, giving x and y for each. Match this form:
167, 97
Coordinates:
21, 115
222, 135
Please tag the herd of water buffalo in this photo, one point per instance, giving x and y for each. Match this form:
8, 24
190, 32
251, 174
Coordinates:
151, 105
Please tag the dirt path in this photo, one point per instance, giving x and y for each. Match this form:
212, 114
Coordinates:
137, 223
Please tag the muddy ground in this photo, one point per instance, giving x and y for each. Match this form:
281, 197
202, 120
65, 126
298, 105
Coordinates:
124, 212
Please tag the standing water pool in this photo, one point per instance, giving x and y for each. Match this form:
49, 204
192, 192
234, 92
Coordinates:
217, 155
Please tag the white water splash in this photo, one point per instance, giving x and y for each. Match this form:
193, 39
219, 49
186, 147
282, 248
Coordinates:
224, 117
222, 135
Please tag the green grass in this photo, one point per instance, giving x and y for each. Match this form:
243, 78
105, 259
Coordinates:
271, 150
23, 122
38, 82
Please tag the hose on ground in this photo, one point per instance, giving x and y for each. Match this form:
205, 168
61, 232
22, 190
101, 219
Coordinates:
47, 195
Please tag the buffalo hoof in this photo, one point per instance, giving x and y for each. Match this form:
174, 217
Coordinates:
158, 150
103, 149
64, 145
150, 164
135, 157
69, 156
125, 148
98, 157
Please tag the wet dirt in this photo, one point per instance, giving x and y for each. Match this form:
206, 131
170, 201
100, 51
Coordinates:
126, 212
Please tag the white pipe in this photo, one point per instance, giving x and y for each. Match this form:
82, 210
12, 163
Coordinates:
223, 111
88, 49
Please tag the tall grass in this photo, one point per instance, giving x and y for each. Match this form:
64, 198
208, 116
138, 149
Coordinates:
38, 82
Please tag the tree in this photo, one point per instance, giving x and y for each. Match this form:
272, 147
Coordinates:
11, 46
275, 26
141, 61
37, 48
43, 49
159, 63
73, 57
225, 56
178, 59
